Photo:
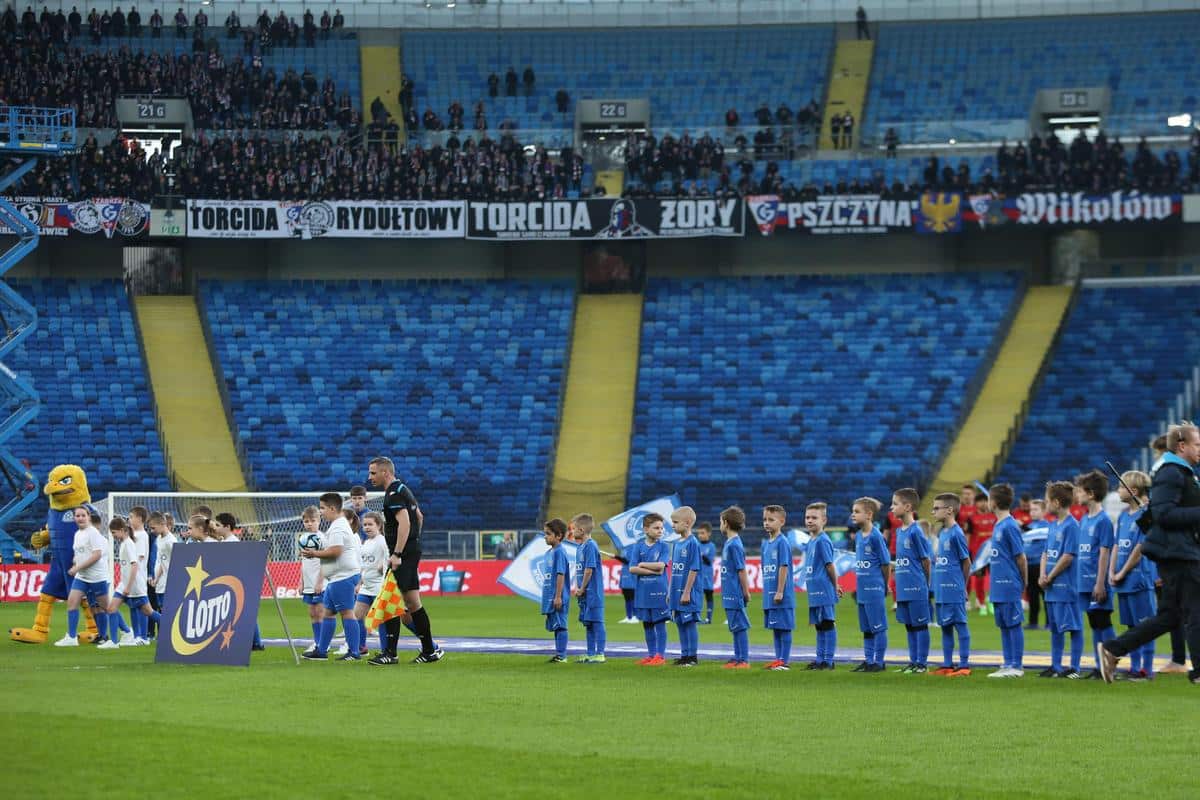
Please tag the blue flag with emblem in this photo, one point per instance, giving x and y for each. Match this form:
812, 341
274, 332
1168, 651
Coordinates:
626, 528
525, 573
985, 550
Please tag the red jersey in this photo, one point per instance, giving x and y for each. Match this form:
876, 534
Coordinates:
964, 518
982, 523
1022, 517
1079, 512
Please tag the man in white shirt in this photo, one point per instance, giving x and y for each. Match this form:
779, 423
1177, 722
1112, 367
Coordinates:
340, 567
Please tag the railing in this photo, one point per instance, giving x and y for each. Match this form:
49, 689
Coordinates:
520, 14
1184, 406
32, 129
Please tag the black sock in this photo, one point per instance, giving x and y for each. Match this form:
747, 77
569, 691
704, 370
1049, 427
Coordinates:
420, 621
392, 628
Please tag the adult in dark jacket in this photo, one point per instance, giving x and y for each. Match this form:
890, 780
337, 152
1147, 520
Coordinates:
1173, 543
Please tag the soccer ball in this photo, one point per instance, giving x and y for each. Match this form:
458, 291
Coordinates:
309, 540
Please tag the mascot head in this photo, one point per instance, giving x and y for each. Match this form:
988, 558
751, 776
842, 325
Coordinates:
67, 487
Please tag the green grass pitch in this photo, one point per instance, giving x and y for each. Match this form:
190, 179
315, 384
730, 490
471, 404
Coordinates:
83, 723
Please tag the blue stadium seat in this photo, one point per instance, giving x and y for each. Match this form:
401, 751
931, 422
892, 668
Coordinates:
457, 381
96, 411
802, 388
1120, 360
691, 76
947, 72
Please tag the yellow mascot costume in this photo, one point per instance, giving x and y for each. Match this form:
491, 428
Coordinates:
67, 489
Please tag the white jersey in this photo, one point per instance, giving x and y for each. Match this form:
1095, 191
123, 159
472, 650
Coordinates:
110, 557
374, 556
166, 543
231, 538
348, 564
132, 563
87, 541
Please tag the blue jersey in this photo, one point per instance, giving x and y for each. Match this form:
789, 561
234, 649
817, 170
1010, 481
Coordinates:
628, 579
1129, 536
911, 549
733, 560
651, 590
949, 585
870, 556
1062, 539
587, 556
708, 557
818, 554
556, 564
684, 560
1007, 546
1095, 531
777, 557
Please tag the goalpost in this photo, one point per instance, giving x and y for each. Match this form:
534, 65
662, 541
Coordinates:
273, 518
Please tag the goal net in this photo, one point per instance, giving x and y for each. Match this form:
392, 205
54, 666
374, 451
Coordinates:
270, 518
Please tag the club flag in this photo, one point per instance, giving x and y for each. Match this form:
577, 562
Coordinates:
626, 528
389, 603
985, 551
525, 573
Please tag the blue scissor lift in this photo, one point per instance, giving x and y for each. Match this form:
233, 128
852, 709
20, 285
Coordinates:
26, 134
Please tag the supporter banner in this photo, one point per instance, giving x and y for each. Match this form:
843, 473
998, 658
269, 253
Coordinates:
836, 214
111, 216
1072, 208
606, 218
211, 608
365, 219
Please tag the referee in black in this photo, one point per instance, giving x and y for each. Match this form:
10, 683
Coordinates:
402, 532
1173, 543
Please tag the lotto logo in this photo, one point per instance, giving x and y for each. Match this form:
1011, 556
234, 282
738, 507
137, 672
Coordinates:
1051, 553
863, 565
1125, 544
903, 562
1085, 548
942, 561
770, 569
995, 554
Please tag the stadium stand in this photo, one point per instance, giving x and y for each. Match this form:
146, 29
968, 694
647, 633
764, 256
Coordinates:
930, 80
85, 362
690, 76
1106, 389
783, 389
460, 379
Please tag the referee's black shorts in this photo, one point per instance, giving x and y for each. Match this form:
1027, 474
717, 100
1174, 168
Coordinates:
408, 577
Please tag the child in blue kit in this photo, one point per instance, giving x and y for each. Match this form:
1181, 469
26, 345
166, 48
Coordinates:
913, 569
1092, 567
685, 586
1057, 579
556, 586
1131, 574
1008, 568
735, 586
589, 594
649, 565
779, 589
821, 585
872, 567
951, 570
708, 558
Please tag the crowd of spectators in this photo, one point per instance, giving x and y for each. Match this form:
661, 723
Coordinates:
329, 167
223, 94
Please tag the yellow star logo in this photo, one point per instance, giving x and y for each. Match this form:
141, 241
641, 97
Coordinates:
226, 636
196, 577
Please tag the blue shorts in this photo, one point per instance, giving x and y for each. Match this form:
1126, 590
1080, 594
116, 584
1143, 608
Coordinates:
818, 614
1008, 615
913, 612
1136, 606
952, 613
591, 612
133, 602
1062, 617
162, 599
1086, 604
737, 620
685, 617
313, 599
872, 617
339, 595
365, 598
94, 592
779, 619
652, 614
556, 621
